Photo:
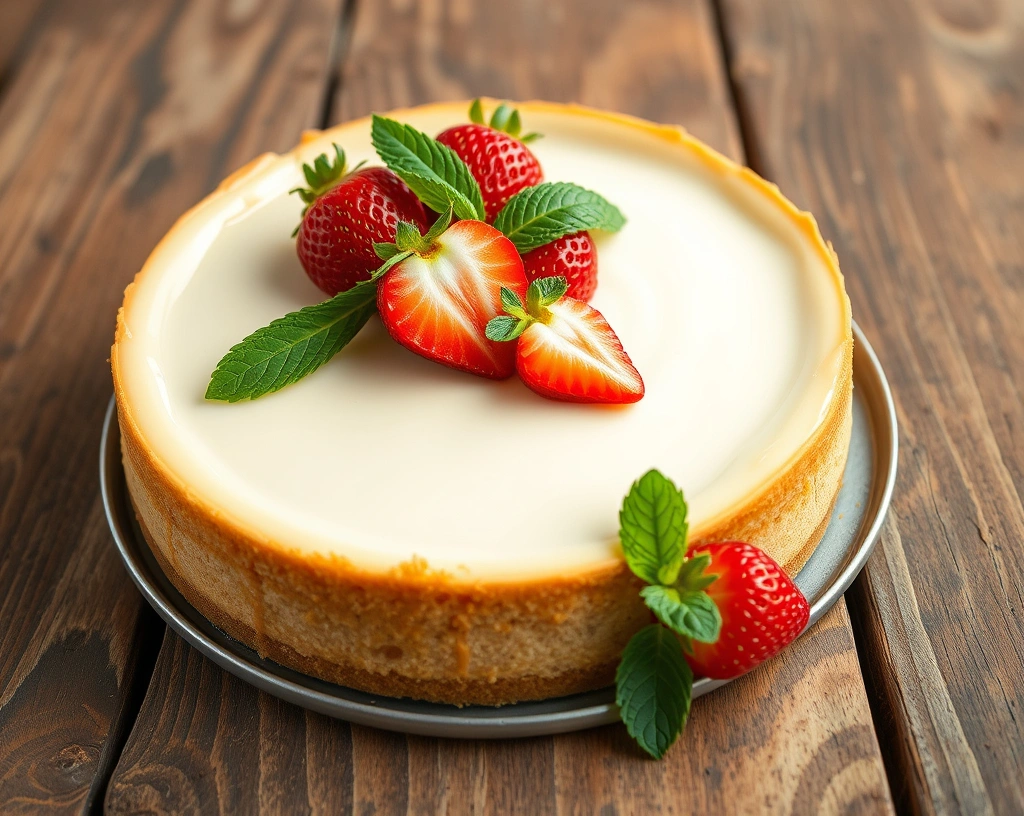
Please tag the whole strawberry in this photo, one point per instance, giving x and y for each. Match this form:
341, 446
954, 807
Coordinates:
762, 610
720, 610
496, 154
573, 257
345, 215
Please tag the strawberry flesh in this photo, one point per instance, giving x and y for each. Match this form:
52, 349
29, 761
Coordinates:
573, 257
501, 164
762, 610
438, 304
575, 356
336, 237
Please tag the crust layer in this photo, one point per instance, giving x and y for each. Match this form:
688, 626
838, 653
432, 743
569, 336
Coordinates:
415, 632
411, 632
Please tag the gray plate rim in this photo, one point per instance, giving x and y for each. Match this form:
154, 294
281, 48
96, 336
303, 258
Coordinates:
430, 719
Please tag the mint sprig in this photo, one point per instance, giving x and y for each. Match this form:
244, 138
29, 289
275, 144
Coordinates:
687, 612
654, 682
433, 171
546, 212
297, 344
652, 689
653, 528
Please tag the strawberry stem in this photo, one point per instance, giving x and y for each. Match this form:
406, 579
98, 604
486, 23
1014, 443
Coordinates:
408, 238
541, 294
322, 175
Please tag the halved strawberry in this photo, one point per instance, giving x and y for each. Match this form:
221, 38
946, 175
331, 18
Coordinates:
566, 350
496, 154
762, 610
573, 257
345, 215
437, 302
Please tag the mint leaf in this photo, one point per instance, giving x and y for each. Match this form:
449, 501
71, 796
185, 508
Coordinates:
295, 345
542, 214
685, 612
652, 689
691, 574
433, 171
652, 528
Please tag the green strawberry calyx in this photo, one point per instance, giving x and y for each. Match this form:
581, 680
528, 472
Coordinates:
322, 175
505, 119
409, 240
541, 294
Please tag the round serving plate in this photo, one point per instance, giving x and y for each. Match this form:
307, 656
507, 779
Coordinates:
845, 547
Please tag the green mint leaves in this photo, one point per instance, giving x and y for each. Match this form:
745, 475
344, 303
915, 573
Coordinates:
652, 689
544, 213
295, 345
433, 171
653, 528
300, 342
654, 682
690, 613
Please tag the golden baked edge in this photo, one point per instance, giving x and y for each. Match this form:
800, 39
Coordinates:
415, 632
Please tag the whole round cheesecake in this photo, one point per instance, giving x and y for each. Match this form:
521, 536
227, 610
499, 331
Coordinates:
402, 528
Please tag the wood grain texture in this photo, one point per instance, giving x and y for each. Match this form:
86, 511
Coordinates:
404, 53
20, 22
900, 123
226, 747
115, 121
795, 736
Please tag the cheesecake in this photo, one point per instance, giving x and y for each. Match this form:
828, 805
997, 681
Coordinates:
401, 528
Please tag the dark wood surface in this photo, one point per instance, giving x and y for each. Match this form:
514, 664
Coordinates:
913, 162
900, 124
114, 118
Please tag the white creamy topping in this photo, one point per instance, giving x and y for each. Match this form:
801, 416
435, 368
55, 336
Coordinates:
726, 308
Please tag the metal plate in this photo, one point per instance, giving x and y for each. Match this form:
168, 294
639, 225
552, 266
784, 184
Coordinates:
846, 545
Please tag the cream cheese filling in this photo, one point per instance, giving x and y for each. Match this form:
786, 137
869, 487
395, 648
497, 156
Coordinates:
722, 296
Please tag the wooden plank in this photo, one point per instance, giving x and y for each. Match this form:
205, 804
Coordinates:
20, 21
900, 123
105, 139
803, 722
409, 53
226, 747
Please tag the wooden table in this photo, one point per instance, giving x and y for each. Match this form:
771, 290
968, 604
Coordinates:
899, 123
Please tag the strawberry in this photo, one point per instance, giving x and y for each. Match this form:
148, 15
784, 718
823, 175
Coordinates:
496, 155
762, 610
566, 350
437, 301
345, 215
573, 257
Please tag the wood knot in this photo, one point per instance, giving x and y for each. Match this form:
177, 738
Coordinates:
72, 756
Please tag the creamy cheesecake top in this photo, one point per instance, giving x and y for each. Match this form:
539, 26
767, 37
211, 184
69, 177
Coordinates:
725, 297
